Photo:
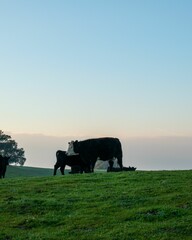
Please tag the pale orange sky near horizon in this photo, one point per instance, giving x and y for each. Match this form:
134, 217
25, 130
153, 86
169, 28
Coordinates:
154, 153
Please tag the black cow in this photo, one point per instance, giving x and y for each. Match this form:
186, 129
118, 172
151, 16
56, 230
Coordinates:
75, 169
118, 169
72, 161
4, 161
106, 149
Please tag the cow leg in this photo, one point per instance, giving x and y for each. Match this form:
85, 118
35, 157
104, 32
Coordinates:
87, 166
4, 172
62, 169
87, 169
119, 160
111, 164
55, 169
81, 169
92, 164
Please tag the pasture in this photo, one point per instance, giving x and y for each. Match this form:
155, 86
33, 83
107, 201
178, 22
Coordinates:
22, 171
125, 205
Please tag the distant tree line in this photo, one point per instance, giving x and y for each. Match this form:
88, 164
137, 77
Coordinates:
9, 148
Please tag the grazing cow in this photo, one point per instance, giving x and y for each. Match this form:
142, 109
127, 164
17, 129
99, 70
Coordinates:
3, 165
63, 160
118, 169
106, 149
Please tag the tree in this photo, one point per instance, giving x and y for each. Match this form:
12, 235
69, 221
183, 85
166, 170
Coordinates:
8, 147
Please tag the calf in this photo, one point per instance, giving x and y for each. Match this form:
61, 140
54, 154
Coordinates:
63, 160
75, 169
3, 165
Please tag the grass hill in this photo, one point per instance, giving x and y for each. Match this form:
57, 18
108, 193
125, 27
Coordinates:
127, 205
21, 171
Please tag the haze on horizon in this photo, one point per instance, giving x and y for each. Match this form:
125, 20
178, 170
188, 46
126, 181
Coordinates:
98, 68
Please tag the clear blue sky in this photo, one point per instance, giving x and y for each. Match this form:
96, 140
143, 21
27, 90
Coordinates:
96, 67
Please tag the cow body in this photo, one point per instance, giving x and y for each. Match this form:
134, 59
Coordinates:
63, 160
4, 161
106, 149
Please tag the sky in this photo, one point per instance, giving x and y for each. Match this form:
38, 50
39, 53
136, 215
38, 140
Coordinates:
81, 68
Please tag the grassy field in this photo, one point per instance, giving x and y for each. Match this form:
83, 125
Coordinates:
128, 205
20, 171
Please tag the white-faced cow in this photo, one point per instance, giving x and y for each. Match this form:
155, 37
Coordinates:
4, 161
106, 149
72, 161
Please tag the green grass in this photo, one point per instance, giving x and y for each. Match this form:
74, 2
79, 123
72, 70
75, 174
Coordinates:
16, 171
21, 171
129, 205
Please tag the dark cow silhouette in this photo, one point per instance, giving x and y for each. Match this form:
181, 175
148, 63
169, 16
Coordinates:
72, 161
75, 169
4, 161
106, 149
118, 169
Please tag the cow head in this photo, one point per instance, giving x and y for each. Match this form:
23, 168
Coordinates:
70, 150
